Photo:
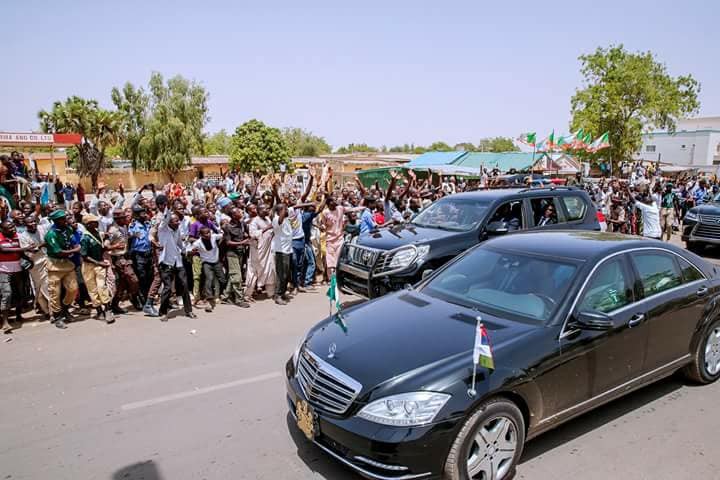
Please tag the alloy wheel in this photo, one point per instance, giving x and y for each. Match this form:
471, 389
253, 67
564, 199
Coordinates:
712, 352
493, 449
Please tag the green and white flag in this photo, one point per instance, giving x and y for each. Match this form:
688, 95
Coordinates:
333, 293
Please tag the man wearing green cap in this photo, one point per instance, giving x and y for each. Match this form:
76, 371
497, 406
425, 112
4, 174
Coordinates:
61, 271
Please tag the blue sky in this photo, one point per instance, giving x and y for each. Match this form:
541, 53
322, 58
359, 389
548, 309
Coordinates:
380, 72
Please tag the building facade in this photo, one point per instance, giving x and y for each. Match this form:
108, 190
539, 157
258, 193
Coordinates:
695, 143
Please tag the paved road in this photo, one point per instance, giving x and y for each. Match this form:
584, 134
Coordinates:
146, 400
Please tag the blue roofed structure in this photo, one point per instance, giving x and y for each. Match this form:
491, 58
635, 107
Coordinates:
504, 162
434, 159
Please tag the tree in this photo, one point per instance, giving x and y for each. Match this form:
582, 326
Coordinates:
99, 128
497, 144
218, 143
627, 93
357, 148
464, 147
440, 147
175, 126
302, 143
132, 104
258, 148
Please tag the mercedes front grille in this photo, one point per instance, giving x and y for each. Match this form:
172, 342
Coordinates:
325, 386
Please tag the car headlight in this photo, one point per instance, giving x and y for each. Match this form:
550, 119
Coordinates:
422, 251
407, 256
406, 409
691, 216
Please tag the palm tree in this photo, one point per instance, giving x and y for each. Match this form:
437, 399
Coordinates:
99, 128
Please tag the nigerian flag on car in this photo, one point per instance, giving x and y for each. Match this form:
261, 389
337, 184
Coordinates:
333, 293
482, 353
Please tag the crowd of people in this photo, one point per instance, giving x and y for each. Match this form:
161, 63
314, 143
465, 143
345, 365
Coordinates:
238, 239
649, 203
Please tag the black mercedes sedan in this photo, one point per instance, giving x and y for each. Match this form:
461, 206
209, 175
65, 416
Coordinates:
574, 319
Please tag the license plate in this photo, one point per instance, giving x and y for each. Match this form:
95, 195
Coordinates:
306, 419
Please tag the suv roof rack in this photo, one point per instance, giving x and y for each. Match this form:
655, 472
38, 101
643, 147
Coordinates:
552, 187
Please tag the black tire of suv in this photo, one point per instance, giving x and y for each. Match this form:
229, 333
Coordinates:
696, 371
456, 462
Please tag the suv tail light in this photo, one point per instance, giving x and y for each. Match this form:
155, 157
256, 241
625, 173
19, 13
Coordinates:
600, 217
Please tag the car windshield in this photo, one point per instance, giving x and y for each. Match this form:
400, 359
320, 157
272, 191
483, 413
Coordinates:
459, 215
507, 284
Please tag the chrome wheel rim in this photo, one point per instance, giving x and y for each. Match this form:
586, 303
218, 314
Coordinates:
493, 449
712, 352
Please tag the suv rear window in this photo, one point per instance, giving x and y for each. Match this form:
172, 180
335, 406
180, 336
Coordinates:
575, 207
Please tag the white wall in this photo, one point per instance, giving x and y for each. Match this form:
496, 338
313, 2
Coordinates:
683, 147
700, 123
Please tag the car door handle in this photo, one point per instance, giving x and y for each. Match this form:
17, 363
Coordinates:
702, 291
636, 320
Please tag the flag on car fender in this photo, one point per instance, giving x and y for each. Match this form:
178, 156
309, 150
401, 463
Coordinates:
482, 353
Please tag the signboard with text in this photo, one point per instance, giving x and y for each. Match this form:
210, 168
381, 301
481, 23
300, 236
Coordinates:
41, 139
20, 138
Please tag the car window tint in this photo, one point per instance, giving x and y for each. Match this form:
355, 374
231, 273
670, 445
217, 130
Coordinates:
658, 272
689, 272
607, 290
575, 207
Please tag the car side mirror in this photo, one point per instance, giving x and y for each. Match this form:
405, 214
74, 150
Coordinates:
427, 273
497, 228
593, 321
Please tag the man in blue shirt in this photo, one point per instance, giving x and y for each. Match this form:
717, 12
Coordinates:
367, 223
140, 249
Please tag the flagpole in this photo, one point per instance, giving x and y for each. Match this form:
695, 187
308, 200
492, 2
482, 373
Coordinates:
471, 391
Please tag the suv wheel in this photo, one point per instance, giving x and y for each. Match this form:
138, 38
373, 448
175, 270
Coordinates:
705, 367
489, 444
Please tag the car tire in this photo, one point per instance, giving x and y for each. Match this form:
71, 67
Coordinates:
705, 366
493, 414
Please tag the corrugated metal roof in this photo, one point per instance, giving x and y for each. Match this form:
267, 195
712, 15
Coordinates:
211, 160
429, 159
503, 161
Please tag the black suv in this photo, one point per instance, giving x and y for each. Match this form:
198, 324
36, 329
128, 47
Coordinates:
701, 225
391, 258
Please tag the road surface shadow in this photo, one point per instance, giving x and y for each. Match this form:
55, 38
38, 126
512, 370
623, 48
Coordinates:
600, 416
147, 470
318, 462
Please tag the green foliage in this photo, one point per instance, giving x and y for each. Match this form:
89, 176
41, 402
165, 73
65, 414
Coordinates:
133, 105
464, 147
626, 93
114, 151
218, 143
356, 148
99, 128
440, 147
175, 126
302, 143
258, 148
497, 145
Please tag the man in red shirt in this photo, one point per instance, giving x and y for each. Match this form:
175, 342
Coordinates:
10, 270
